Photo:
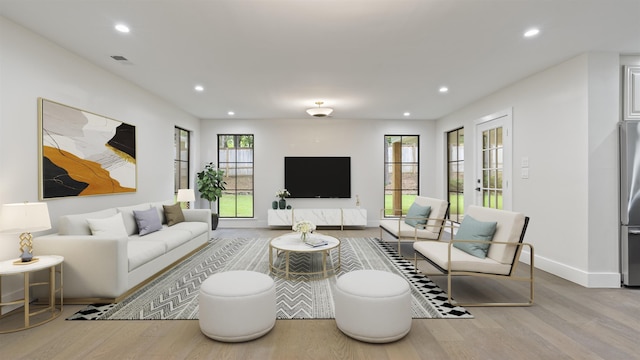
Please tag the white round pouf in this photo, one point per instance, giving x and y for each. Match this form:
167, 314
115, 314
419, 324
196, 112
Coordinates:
373, 306
237, 306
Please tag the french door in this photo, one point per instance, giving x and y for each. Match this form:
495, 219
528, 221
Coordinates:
493, 165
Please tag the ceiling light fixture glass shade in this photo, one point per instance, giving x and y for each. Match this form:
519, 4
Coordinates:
319, 111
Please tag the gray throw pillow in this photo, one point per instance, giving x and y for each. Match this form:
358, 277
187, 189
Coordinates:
148, 221
472, 229
173, 213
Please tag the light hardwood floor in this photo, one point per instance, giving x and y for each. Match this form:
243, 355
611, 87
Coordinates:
567, 321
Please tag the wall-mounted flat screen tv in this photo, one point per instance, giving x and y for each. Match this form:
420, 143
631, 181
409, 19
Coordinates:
318, 177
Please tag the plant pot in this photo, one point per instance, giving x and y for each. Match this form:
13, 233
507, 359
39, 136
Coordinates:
282, 204
214, 221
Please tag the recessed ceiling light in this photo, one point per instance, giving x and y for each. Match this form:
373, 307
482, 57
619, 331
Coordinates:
198, 88
407, 114
443, 89
231, 113
122, 28
531, 32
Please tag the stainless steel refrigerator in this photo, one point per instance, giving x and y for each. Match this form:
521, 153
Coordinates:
630, 202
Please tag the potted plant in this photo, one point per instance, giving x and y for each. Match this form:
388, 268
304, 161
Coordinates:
210, 183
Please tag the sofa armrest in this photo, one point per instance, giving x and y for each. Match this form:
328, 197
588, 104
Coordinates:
94, 266
202, 215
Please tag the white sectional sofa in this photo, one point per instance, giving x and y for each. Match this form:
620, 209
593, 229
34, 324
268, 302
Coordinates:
108, 266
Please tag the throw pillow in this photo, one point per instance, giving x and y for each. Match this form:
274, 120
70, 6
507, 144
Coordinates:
417, 214
112, 226
472, 229
148, 221
173, 213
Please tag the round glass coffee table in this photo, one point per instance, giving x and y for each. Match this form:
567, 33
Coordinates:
290, 245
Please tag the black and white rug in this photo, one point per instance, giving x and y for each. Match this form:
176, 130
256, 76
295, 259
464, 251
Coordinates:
174, 295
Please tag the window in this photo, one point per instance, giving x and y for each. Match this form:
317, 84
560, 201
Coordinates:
235, 157
401, 173
455, 173
492, 168
181, 159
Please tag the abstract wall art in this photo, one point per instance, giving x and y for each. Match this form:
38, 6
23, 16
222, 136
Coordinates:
83, 154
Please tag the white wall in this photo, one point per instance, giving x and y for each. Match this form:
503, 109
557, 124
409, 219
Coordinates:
564, 121
362, 140
32, 67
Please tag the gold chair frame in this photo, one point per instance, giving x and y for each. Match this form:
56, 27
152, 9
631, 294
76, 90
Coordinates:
450, 273
402, 218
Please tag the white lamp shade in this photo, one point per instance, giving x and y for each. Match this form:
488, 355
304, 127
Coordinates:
185, 195
24, 217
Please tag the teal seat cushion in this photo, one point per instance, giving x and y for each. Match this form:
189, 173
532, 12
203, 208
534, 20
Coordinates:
472, 229
417, 214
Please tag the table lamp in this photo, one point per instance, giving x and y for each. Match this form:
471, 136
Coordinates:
24, 218
185, 195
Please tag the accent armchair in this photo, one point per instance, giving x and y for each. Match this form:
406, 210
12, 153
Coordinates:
415, 225
499, 254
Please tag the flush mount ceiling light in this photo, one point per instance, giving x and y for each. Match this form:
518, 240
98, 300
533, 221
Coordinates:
319, 111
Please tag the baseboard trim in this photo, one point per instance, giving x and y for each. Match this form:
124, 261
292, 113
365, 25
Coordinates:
575, 275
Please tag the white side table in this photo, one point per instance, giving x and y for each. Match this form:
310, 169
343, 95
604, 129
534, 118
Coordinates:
47, 312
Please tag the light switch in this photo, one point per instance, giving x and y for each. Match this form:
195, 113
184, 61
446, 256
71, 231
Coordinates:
524, 173
524, 162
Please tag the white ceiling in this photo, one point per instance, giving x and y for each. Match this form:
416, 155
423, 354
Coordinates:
368, 59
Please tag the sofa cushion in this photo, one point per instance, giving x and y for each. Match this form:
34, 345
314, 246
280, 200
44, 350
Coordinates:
173, 213
158, 206
78, 225
417, 214
195, 228
111, 226
438, 252
170, 237
148, 221
472, 229
438, 212
509, 229
129, 219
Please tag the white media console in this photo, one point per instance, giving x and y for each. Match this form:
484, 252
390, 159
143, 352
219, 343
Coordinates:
320, 217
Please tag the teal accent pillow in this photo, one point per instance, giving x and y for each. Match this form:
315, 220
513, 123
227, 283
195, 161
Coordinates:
472, 229
417, 211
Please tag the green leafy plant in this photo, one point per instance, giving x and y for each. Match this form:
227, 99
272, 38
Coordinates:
211, 183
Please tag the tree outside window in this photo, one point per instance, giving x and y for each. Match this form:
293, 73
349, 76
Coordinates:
235, 158
401, 173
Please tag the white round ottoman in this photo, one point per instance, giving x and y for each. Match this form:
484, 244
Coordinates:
373, 306
237, 306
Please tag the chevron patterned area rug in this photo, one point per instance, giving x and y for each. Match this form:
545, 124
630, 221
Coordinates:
174, 295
